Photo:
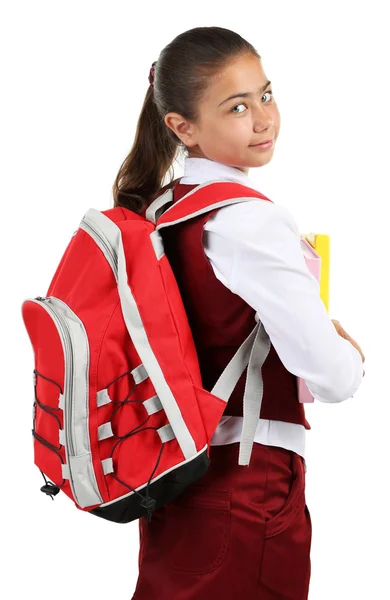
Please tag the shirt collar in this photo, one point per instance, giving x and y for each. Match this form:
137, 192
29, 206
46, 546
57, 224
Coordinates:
199, 170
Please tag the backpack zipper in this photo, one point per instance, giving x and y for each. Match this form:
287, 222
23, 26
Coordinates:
64, 331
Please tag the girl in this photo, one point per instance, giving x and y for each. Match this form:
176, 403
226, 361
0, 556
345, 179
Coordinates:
238, 532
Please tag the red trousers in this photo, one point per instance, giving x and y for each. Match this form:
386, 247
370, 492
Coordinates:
238, 532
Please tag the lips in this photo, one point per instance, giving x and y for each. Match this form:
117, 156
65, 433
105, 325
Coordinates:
265, 142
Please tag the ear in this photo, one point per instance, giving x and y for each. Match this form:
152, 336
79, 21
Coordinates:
184, 130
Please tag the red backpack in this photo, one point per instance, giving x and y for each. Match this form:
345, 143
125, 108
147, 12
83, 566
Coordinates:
121, 421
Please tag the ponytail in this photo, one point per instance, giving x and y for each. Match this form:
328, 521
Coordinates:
143, 170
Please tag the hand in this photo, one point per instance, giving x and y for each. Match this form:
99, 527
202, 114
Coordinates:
345, 335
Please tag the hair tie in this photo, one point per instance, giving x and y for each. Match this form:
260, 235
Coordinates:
151, 74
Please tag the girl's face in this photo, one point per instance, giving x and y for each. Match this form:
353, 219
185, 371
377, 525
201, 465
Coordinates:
228, 129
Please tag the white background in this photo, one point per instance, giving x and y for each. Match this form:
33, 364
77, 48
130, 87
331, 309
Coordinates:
74, 76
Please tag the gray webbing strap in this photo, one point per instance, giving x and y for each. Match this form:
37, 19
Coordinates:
157, 243
62, 437
228, 379
108, 466
105, 431
253, 394
157, 205
152, 405
252, 353
139, 374
102, 397
166, 433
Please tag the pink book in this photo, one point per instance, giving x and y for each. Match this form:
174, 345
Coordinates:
313, 261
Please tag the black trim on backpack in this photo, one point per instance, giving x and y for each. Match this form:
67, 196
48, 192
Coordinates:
163, 490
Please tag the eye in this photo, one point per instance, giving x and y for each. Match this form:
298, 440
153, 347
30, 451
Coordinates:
269, 92
242, 104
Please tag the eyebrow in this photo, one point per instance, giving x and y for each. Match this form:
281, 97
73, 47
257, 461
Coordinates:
244, 94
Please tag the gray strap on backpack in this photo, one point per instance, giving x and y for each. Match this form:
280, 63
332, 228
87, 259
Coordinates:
252, 353
156, 208
253, 395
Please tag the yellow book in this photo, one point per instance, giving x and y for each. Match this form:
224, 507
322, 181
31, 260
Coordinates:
321, 244
316, 250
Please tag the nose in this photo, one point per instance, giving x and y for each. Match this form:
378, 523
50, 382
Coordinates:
262, 118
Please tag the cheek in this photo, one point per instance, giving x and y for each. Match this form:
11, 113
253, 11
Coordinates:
221, 130
240, 130
276, 118
232, 135
235, 126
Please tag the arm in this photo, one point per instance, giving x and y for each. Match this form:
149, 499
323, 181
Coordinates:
254, 248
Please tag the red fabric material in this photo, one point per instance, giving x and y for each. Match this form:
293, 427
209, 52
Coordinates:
237, 533
221, 320
85, 283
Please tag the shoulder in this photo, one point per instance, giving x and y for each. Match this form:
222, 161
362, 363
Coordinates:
250, 216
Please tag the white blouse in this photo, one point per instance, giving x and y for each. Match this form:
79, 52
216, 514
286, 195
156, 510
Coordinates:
254, 249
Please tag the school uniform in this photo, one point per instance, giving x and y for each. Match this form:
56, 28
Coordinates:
246, 530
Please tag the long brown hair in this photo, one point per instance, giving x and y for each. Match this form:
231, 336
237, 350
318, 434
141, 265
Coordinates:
182, 75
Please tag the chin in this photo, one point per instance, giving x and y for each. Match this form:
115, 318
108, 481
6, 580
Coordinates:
261, 161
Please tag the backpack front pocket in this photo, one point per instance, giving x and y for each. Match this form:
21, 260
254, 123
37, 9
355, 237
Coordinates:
61, 403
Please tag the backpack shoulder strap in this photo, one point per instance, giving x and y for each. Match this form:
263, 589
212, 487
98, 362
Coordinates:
203, 198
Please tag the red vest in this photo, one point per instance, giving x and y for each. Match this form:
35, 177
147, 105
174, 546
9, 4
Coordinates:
221, 320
